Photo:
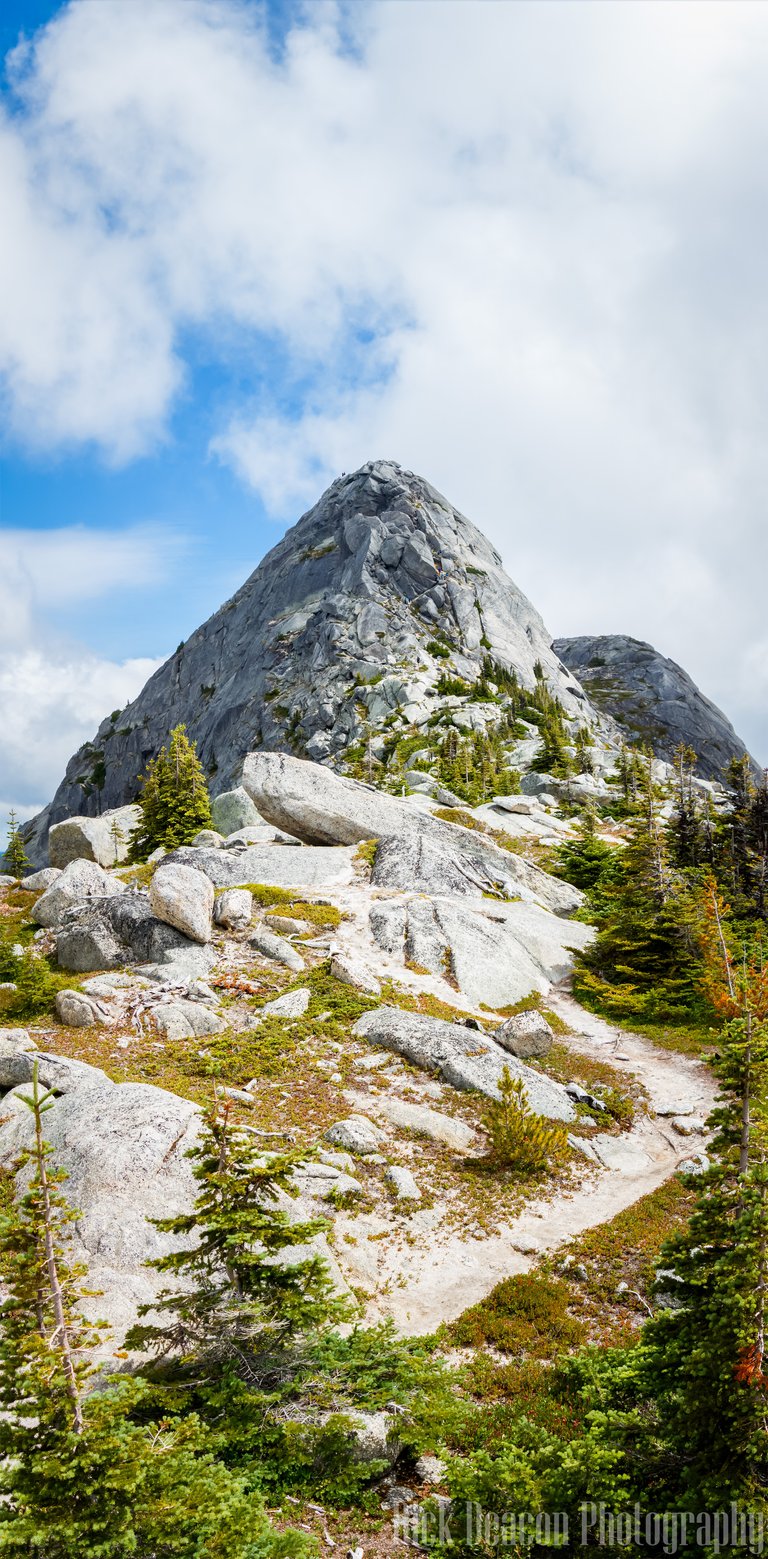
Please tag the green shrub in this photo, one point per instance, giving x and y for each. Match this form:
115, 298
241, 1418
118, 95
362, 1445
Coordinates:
523, 1314
520, 1139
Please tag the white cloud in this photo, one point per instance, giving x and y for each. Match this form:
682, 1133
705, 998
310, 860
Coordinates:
552, 218
54, 691
49, 704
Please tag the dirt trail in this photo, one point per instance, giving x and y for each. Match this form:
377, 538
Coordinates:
427, 1272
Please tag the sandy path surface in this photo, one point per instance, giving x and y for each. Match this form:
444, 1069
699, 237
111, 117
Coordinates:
428, 1272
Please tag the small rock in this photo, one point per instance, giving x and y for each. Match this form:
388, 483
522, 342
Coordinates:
288, 925
430, 1469
352, 971
78, 1010
356, 1134
402, 1183
240, 1096
525, 1035
234, 908
183, 1019
341, 1161
233, 810
37, 882
183, 898
276, 947
292, 1005
688, 1125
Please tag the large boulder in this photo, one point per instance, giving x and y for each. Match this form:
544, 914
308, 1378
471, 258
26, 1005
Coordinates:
278, 865
495, 953
110, 932
422, 852
105, 839
233, 810
79, 881
183, 898
461, 1056
526, 1034
124, 1150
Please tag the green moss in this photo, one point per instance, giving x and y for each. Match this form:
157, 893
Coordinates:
366, 852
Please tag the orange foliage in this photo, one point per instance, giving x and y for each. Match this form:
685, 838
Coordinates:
735, 983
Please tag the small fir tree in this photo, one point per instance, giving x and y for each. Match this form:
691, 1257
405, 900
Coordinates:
521, 1139
174, 800
17, 861
244, 1304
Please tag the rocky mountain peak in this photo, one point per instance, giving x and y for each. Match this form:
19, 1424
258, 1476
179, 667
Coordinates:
652, 698
348, 625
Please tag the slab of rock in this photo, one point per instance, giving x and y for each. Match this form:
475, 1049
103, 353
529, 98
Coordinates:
124, 1149
183, 898
233, 810
403, 1183
324, 808
495, 953
526, 1034
352, 971
455, 1134
78, 1010
79, 881
460, 1056
276, 947
277, 865
108, 933
356, 1135
182, 1019
234, 909
37, 882
105, 839
107, 986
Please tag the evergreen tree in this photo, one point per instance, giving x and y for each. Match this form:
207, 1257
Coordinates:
174, 800
16, 860
706, 1361
742, 845
586, 860
243, 1303
81, 1475
642, 964
685, 830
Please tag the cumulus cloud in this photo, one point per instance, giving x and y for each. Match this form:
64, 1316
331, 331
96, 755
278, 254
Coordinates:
54, 690
518, 248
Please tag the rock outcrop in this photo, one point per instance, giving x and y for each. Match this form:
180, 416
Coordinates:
349, 620
652, 699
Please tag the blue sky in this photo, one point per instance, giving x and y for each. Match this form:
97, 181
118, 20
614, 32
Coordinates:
519, 248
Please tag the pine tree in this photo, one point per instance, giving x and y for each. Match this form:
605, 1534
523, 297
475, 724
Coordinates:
685, 830
706, 1362
16, 860
587, 859
642, 964
83, 1474
174, 800
243, 1303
